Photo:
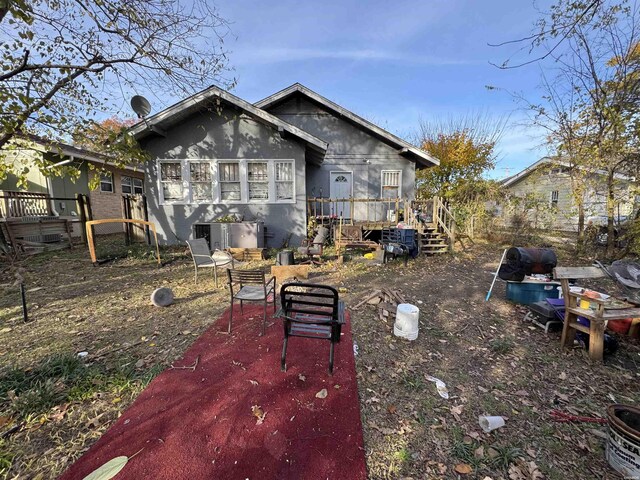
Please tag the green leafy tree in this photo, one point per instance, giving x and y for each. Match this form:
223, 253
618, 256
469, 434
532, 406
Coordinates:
66, 63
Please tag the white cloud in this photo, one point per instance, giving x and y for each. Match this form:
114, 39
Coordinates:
284, 54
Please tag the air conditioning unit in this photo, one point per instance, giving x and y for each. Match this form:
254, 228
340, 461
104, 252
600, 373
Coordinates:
231, 235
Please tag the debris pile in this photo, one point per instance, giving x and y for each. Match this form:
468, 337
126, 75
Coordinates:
387, 301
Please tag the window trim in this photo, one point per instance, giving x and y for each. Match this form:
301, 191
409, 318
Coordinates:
141, 180
382, 185
212, 173
554, 201
217, 195
111, 182
185, 189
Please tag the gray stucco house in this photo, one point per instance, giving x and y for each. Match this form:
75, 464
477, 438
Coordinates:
214, 154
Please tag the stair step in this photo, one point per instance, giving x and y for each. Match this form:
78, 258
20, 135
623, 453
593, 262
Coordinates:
431, 248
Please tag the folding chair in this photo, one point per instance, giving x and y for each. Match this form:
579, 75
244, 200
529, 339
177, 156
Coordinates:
253, 288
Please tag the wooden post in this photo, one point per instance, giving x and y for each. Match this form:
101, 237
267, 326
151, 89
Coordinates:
145, 210
351, 209
452, 240
434, 213
83, 217
397, 210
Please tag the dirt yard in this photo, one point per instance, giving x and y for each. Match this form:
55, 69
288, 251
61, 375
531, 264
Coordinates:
53, 405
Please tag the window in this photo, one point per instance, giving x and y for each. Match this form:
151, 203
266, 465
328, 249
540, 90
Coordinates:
258, 180
200, 178
138, 186
132, 185
284, 181
391, 183
554, 198
171, 180
106, 182
229, 178
201, 181
126, 184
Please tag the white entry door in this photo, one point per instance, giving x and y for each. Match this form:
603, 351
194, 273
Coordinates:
341, 188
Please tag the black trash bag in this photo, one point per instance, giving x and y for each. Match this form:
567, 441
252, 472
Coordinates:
526, 261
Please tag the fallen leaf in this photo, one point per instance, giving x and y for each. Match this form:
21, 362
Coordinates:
322, 393
456, 411
337, 387
463, 468
253, 382
562, 376
392, 409
109, 469
258, 413
302, 377
140, 363
4, 420
6, 330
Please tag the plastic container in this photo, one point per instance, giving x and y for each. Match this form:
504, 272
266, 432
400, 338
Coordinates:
488, 423
528, 292
623, 447
407, 318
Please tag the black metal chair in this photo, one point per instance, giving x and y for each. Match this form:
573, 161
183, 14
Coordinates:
253, 288
312, 311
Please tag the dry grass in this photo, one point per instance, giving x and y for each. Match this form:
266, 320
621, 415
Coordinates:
491, 362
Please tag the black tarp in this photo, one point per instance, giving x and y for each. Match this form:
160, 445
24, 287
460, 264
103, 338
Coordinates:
522, 261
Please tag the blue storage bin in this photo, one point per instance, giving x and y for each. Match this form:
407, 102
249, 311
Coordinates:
529, 291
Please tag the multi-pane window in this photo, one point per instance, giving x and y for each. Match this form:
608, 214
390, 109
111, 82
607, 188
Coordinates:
138, 186
284, 181
229, 179
391, 183
200, 181
126, 184
258, 180
555, 194
171, 180
106, 182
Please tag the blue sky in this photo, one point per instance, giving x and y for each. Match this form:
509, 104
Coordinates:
393, 63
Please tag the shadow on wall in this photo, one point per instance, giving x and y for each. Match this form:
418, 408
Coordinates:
212, 136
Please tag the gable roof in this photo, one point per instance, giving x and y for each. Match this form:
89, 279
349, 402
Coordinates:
508, 181
420, 156
189, 105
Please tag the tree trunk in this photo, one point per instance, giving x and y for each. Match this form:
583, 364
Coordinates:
610, 214
580, 225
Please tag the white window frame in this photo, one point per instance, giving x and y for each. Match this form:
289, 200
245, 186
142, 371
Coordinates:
242, 173
111, 182
382, 184
270, 182
132, 185
274, 181
244, 183
184, 165
141, 187
212, 185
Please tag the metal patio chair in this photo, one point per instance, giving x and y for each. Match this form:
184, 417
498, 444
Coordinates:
312, 311
253, 288
203, 258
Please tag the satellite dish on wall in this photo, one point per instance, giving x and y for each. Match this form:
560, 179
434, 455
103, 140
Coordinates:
140, 105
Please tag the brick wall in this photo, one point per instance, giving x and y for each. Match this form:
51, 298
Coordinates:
109, 204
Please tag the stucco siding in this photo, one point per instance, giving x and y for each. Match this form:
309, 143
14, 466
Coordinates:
225, 135
350, 149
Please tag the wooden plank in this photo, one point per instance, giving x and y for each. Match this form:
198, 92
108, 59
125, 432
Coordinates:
246, 254
92, 246
284, 272
577, 272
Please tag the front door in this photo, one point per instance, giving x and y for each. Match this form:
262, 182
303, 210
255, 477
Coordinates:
341, 188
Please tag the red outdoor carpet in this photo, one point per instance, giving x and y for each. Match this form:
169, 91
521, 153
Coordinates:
199, 424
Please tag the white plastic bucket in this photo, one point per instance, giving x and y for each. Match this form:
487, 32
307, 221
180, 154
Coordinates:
406, 325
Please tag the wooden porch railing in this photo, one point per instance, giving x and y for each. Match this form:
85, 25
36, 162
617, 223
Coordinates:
385, 212
24, 204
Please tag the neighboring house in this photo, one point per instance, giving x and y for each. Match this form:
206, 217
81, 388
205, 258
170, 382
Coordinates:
545, 189
33, 154
214, 154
